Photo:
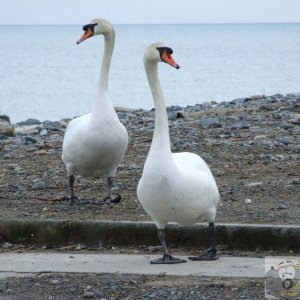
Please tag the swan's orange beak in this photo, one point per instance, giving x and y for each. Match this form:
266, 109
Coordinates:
88, 33
169, 59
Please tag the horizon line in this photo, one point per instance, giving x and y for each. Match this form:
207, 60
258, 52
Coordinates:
136, 24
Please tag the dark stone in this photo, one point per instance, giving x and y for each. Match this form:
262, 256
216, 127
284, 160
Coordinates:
233, 119
52, 126
238, 100
5, 118
3, 137
30, 139
30, 122
285, 140
174, 108
6, 128
286, 126
264, 107
207, 122
173, 115
39, 185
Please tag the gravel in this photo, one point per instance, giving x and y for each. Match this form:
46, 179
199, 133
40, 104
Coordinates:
129, 287
251, 154
251, 144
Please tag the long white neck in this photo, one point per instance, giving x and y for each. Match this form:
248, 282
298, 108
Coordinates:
161, 138
102, 101
109, 41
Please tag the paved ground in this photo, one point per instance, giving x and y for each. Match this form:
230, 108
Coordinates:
126, 264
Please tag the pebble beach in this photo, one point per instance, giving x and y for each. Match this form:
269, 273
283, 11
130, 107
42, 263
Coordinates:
251, 144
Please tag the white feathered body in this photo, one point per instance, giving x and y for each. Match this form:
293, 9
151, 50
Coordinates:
178, 188
94, 144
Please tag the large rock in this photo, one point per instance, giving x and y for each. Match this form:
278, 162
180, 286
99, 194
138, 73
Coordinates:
6, 128
30, 122
208, 122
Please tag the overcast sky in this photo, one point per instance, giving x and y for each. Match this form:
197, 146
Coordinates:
150, 11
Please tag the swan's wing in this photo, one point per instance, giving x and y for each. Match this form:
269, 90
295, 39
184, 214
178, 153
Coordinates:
196, 173
75, 132
190, 161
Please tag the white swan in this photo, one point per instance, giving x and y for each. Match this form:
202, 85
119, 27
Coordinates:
175, 187
95, 143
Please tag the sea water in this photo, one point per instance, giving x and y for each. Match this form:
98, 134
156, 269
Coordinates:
44, 74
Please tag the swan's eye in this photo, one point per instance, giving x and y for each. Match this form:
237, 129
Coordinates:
169, 50
91, 26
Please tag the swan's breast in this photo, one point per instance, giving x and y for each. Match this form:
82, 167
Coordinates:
93, 150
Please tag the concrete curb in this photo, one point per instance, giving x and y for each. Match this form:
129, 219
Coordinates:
64, 232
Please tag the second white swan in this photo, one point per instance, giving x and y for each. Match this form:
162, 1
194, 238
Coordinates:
175, 187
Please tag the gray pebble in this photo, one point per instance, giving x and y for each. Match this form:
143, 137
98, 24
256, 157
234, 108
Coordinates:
285, 140
30, 139
207, 122
174, 108
253, 184
153, 295
8, 155
123, 121
52, 126
7, 245
282, 206
30, 121
38, 185
88, 294
172, 115
238, 101
44, 132
3, 137
296, 148
286, 126
232, 119
80, 247
295, 181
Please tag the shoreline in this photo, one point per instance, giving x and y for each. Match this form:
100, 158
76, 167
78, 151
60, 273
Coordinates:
204, 105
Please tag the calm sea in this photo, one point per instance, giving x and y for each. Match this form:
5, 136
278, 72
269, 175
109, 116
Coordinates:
44, 74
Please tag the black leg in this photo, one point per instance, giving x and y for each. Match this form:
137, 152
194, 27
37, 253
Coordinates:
71, 182
108, 199
212, 253
110, 184
167, 257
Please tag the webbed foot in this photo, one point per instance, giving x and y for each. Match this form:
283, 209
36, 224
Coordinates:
75, 200
108, 200
211, 254
167, 259
117, 199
